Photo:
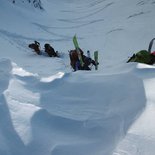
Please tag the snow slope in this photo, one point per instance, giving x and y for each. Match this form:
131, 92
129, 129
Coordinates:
46, 109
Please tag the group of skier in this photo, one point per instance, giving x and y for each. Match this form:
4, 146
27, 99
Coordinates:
79, 61
75, 60
48, 49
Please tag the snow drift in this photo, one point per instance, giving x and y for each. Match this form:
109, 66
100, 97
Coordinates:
62, 115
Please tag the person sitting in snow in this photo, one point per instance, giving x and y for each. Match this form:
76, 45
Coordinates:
36, 47
144, 56
75, 62
50, 51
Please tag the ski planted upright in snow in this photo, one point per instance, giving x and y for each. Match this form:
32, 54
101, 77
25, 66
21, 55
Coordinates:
96, 59
75, 42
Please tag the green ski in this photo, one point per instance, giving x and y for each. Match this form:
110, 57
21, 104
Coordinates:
75, 42
96, 59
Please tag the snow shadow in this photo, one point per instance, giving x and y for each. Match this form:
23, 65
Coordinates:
62, 136
11, 144
55, 135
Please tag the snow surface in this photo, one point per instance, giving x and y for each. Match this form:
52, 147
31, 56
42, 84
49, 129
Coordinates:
47, 109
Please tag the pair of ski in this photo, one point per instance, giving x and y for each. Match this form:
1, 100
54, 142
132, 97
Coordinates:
75, 42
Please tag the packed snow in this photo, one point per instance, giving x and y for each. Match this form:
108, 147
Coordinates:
46, 108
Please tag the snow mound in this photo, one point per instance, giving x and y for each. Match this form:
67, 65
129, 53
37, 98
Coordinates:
63, 115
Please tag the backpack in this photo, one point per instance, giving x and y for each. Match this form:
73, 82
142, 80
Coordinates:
73, 55
142, 56
50, 50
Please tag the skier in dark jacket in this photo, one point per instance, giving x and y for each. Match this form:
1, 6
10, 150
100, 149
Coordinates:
36, 47
87, 61
50, 50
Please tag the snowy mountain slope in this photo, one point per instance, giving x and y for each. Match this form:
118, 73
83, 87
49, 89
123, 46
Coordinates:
99, 25
46, 109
